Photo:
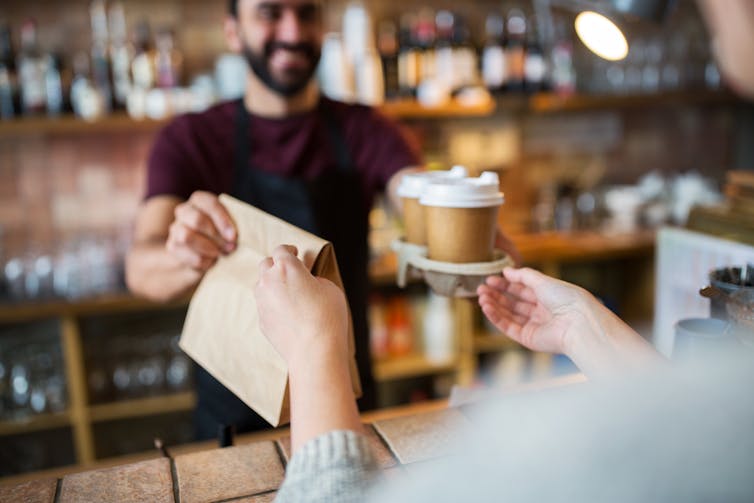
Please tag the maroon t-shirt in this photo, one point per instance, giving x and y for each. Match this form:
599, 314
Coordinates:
197, 151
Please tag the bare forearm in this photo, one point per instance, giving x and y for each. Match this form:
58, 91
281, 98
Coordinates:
153, 273
607, 346
322, 399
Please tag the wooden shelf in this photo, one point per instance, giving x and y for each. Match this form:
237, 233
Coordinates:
107, 304
149, 406
551, 103
410, 366
35, 423
410, 109
583, 246
118, 122
490, 343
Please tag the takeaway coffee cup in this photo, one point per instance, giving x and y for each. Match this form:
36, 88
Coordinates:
410, 190
461, 218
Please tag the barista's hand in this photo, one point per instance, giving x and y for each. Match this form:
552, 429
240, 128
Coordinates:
535, 310
304, 317
201, 232
503, 242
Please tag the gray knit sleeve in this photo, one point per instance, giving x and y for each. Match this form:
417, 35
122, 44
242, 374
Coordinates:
337, 467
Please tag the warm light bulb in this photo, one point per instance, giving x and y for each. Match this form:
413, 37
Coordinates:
601, 36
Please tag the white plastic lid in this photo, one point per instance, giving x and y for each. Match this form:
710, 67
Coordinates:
412, 185
464, 193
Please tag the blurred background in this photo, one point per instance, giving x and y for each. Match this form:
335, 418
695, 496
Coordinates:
594, 156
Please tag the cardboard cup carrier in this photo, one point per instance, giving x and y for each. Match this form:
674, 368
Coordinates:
410, 190
461, 218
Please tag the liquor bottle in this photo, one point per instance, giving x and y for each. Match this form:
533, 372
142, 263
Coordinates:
142, 66
7, 75
516, 51
99, 52
32, 66
120, 55
563, 75
387, 45
408, 56
425, 38
80, 81
167, 60
465, 61
53, 87
493, 54
535, 65
445, 21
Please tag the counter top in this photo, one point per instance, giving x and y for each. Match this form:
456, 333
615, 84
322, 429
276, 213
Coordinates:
251, 470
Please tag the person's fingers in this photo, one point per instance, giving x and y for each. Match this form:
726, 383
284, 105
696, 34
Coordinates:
196, 220
506, 325
265, 265
285, 252
498, 282
190, 257
210, 205
182, 235
510, 301
503, 309
528, 279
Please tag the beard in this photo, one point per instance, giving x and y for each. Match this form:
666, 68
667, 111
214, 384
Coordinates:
294, 80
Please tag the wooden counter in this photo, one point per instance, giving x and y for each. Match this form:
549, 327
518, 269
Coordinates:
253, 468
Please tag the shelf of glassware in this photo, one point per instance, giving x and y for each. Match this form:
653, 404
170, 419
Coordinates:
121, 409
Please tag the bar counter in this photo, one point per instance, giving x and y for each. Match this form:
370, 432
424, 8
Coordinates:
249, 471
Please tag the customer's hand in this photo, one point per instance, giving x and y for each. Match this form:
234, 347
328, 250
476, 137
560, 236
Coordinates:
535, 310
302, 315
546, 314
306, 319
201, 232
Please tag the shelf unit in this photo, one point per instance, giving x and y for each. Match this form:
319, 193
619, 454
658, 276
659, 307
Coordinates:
81, 415
540, 103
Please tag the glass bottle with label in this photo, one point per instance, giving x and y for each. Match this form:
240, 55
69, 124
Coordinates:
425, 37
465, 61
535, 65
32, 66
515, 54
53, 87
120, 55
387, 45
99, 52
444, 49
563, 74
493, 54
7, 74
408, 56
142, 66
167, 60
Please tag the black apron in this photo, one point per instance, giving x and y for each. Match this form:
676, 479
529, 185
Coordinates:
331, 206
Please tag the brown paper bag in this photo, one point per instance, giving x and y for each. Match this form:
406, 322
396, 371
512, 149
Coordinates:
222, 332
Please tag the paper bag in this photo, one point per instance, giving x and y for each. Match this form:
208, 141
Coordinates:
221, 331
